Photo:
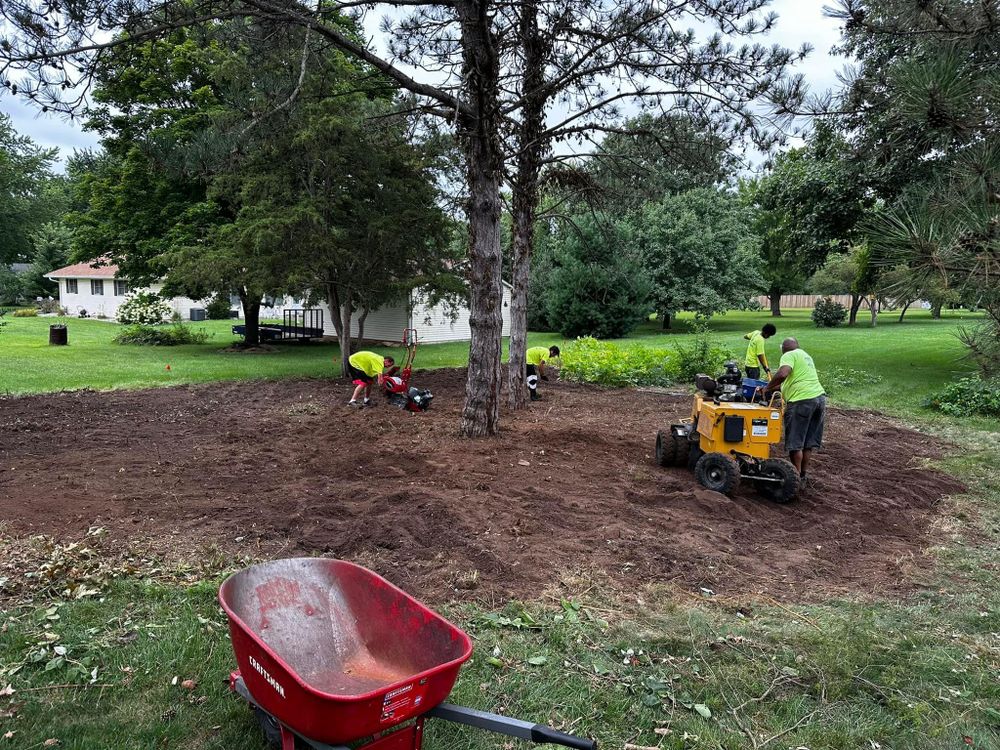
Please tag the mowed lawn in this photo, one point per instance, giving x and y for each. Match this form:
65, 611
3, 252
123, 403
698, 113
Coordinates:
892, 367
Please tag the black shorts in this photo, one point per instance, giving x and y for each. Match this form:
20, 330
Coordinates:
530, 370
753, 372
357, 375
804, 424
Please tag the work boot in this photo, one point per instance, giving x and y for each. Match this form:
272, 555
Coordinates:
535, 396
355, 404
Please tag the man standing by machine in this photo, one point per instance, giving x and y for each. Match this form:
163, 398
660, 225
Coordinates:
805, 404
365, 369
756, 360
535, 358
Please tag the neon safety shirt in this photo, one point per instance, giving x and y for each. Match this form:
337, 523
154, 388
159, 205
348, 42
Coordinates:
802, 382
756, 347
536, 355
370, 363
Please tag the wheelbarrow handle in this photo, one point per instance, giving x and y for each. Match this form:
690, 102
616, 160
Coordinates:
508, 726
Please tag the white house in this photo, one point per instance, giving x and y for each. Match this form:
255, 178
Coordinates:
97, 291
434, 323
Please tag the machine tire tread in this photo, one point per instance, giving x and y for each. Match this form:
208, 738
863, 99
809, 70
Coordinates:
780, 469
718, 472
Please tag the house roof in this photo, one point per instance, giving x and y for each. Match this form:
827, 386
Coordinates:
85, 271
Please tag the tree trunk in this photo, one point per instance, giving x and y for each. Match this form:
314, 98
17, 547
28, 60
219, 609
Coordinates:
478, 132
906, 306
936, 309
775, 298
856, 300
666, 321
524, 200
251, 317
337, 309
361, 324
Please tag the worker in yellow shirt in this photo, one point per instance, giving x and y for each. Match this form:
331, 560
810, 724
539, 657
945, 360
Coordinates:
535, 358
365, 369
756, 360
805, 404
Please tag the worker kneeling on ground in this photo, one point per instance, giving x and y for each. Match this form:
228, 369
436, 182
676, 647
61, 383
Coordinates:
756, 360
365, 369
805, 404
536, 357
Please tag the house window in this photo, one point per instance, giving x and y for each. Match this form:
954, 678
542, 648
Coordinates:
121, 288
97, 287
72, 287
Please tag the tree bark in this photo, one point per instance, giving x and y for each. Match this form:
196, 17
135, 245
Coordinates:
338, 308
856, 300
936, 309
666, 321
524, 200
906, 306
479, 134
251, 317
774, 296
361, 324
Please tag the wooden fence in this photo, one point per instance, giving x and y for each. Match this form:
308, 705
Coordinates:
808, 301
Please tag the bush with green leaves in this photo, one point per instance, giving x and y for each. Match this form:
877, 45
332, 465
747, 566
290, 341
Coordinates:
699, 354
588, 360
143, 308
218, 308
966, 397
26, 312
828, 313
173, 335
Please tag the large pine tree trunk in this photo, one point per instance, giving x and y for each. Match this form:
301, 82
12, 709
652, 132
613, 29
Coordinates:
251, 317
480, 138
774, 295
524, 201
936, 309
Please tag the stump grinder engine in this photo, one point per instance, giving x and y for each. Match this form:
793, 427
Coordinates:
396, 383
728, 438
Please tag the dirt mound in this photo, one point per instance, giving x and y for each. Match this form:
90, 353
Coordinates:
287, 468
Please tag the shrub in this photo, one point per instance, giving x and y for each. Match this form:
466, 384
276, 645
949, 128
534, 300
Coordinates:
51, 306
143, 308
26, 312
968, 397
828, 314
588, 360
174, 335
218, 308
698, 354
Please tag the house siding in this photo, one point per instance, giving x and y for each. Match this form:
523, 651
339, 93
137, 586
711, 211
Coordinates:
107, 304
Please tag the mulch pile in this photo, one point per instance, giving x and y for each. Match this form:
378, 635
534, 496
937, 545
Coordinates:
570, 488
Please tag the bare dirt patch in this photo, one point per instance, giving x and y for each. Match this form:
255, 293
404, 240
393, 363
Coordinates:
286, 468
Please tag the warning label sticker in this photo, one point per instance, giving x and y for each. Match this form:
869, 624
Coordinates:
759, 428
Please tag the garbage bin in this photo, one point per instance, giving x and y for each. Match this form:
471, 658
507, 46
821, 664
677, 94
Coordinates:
58, 335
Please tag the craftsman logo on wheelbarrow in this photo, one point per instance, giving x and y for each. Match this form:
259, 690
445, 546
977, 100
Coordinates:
331, 653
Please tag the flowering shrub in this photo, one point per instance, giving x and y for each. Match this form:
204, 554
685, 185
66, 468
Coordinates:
143, 308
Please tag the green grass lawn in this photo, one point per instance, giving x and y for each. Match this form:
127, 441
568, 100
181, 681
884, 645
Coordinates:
892, 367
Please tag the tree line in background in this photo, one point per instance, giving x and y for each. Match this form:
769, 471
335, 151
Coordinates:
260, 148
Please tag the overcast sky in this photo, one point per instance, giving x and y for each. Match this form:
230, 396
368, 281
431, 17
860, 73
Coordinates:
799, 21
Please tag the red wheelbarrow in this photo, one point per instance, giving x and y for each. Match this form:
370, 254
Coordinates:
330, 653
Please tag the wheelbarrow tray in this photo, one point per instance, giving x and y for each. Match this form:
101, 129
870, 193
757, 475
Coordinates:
336, 652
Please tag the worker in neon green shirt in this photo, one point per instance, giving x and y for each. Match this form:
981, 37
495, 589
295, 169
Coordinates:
756, 360
805, 404
365, 368
535, 359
